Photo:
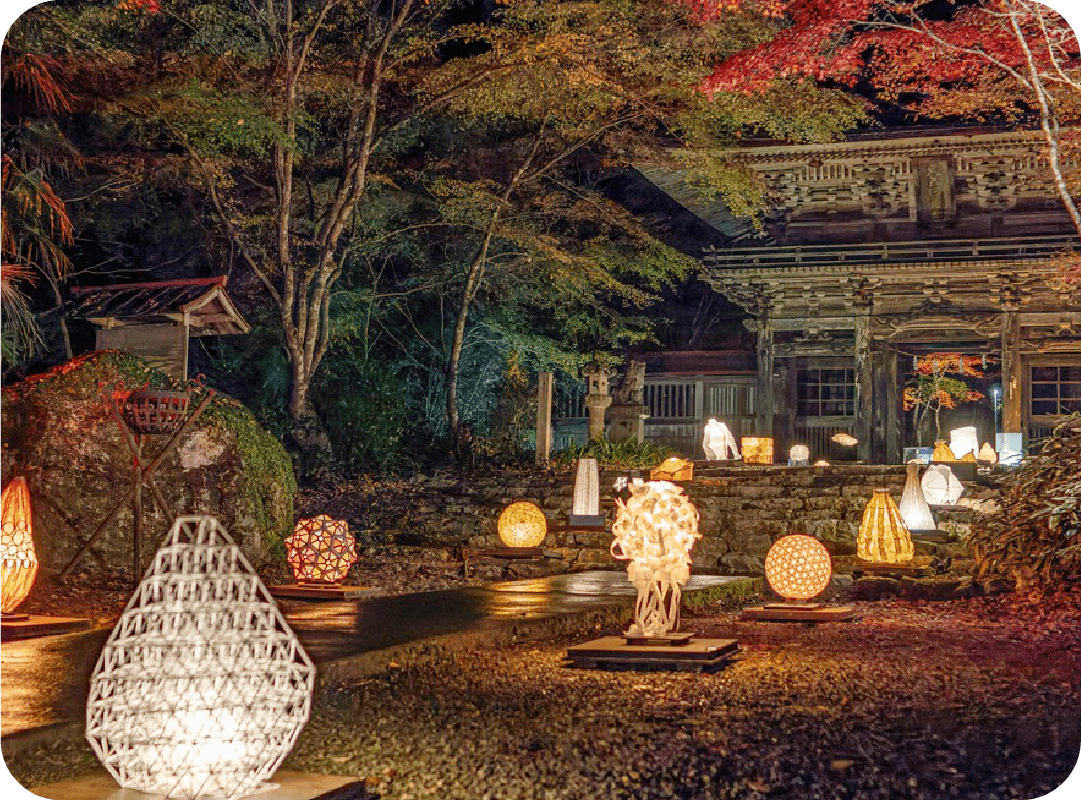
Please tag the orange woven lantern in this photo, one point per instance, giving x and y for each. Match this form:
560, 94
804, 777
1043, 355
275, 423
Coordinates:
798, 567
522, 524
18, 561
321, 550
883, 536
756, 449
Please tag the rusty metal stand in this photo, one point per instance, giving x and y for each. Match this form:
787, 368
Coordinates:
141, 475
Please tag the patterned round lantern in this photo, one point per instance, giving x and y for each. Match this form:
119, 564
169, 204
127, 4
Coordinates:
883, 536
321, 550
798, 567
18, 561
522, 524
202, 688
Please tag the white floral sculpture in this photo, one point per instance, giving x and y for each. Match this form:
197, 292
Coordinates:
202, 688
718, 443
655, 530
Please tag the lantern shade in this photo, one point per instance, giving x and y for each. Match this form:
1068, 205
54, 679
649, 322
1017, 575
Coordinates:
673, 468
586, 507
321, 550
655, 530
522, 524
202, 688
987, 454
799, 455
913, 506
942, 452
883, 537
18, 561
798, 567
964, 441
940, 486
718, 443
757, 449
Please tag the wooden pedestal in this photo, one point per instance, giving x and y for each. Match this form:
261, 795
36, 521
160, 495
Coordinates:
313, 591
799, 612
30, 626
696, 655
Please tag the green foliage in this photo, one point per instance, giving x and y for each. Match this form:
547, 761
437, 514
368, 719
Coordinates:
626, 453
1034, 537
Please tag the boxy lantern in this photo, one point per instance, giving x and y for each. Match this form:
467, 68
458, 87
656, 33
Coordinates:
18, 561
202, 688
586, 507
655, 530
718, 443
798, 567
883, 537
964, 441
321, 550
757, 450
913, 506
522, 524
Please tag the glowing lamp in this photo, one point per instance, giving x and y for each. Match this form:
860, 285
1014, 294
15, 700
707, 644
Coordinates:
757, 449
321, 550
1010, 447
718, 443
987, 454
673, 469
655, 530
968, 458
798, 567
799, 455
964, 441
883, 536
18, 561
913, 506
202, 688
845, 439
522, 524
940, 486
586, 507
822, 463
942, 452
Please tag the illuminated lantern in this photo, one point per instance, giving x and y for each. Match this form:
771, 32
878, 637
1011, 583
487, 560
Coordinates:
718, 443
202, 688
522, 524
757, 450
913, 506
673, 469
798, 567
883, 536
586, 507
321, 550
822, 463
940, 485
845, 439
987, 454
968, 458
799, 455
964, 441
942, 452
1010, 447
18, 561
655, 531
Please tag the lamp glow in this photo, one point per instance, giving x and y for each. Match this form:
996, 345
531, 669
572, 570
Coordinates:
18, 561
655, 531
940, 486
798, 567
673, 468
522, 524
964, 441
942, 452
799, 455
321, 550
913, 506
202, 688
757, 450
586, 506
718, 443
987, 454
883, 536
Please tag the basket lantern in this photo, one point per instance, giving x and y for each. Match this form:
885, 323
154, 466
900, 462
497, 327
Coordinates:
522, 524
155, 410
798, 567
18, 561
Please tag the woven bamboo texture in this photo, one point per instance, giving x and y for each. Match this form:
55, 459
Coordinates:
798, 567
522, 524
18, 561
883, 537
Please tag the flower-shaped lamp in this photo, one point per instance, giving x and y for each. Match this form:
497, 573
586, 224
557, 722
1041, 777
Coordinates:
321, 550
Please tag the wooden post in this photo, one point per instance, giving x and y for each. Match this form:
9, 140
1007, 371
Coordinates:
786, 374
895, 411
879, 426
137, 514
764, 386
864, 384
1012, 380
544, 418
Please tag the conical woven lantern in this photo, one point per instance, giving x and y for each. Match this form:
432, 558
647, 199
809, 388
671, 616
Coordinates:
321, 550
202, 688
913, 506
522, 524
18, 561
942, 452
883, 536
987, 454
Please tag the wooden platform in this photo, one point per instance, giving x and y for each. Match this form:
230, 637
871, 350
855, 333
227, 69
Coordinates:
510, 553
698, 655
305, 591
931, 536
890, 570
33, 626
796, 612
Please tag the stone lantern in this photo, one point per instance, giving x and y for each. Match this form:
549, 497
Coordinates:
597, 397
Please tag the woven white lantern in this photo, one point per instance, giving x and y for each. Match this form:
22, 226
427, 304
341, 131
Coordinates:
718, 443
964, 441
940, 486
655, 531
799, 455
202, 688
913, 506
586, 507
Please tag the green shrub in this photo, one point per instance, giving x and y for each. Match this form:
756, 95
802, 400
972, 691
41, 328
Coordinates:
626, 453
363, 411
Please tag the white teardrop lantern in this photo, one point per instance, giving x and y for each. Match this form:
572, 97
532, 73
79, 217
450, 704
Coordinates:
913, 506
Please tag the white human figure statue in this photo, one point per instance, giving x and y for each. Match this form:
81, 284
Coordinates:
655, 530
718, 442
913, 506
940, 485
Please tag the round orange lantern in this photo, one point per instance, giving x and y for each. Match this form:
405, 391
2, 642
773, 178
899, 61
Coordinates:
798, 567
18, 561
321, 550
522, 524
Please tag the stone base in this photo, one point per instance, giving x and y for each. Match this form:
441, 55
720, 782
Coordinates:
312, 591
799, 612
30, 626
697, 655
287, 785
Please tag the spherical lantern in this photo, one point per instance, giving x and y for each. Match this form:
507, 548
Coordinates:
798, 567
202, 688
522, 524
655, 530
18, 561
799, 455
942, 452
321, 550
883, 537
757, 449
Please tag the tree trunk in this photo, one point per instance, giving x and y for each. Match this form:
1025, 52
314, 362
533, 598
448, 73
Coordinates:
308, 433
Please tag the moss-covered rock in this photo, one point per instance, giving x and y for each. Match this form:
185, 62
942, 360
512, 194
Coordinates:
58, 433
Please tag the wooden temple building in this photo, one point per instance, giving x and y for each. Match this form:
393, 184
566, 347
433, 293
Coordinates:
875, 251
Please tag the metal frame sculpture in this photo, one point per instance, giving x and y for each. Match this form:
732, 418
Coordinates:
321, 550
883, 536
655, 530
202, 688
718, 443
18, 561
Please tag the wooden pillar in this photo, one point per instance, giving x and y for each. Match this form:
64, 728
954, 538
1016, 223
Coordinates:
864, 386
544, 418
895, 410
879, 424
787, 407
1012, 379
764, 385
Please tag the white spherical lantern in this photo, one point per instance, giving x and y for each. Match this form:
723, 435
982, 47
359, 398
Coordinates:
798, 567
